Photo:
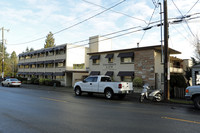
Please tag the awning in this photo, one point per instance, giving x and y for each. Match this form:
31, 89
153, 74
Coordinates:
59, 47
31, 73
95, 73
27, 63
59, 74
39, 73
109, 73
95, 57
23, 73
129, 54
32, 63
33, 53
21, 55
59, 60
40, 51
126, 73
109, 56
19, 64
48, 73
40, 62
19, 73
49, 61
49, 49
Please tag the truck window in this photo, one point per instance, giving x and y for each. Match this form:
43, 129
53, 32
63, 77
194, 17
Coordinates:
105, 79
91, 79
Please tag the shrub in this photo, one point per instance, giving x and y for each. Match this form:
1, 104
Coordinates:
22, 79
137, 82
24, 82
41, 81
32, 80
36, 81
29, 82
47, 81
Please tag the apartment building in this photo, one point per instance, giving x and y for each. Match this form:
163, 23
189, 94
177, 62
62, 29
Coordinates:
67, 63
125, 64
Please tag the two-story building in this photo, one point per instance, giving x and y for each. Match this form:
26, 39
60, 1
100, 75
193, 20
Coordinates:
125, 64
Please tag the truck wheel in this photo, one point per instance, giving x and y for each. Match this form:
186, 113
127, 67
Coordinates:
2, 84
108, 94
197, 102
78, 91
121, 96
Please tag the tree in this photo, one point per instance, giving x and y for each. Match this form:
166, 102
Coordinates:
49, 42
13, 59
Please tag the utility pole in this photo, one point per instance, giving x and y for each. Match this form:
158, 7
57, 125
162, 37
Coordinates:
2, 29
166, 54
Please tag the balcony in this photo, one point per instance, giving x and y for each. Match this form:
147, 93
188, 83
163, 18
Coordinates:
176, 70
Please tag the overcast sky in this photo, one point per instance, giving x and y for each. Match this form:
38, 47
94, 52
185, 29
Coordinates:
30, 20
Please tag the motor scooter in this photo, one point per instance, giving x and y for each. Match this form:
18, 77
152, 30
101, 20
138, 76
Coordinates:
155, 95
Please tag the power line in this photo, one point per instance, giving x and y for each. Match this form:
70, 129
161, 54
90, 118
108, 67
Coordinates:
183, 17
148, 24
193, 6
76, 23
116, 11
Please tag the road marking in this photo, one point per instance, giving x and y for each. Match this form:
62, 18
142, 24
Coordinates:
176, 119
51, 99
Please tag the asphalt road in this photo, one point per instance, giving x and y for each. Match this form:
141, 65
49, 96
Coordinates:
40, 111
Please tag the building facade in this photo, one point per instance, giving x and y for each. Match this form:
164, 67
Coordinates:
124, 65
67, 63
61, 63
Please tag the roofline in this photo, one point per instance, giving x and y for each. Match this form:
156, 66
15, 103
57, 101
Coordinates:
155, 47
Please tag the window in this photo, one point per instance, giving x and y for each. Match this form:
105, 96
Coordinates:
110, 60
33, 56
126, 78
50, 53
96, 61
49, 65
40, 66
59, 78
41, 55
127, 60
60, 64
59, 52
105, 79
91, 79
21, 66
33, 66
26, 66
27, 57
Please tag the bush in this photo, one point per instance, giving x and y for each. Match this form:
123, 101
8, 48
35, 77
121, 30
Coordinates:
47, 81
36, 81
137, 82
41, 81
29, 82
21, 79
32, 80
24, 82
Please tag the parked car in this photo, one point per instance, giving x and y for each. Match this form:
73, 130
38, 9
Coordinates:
11, 82
193, 93
102, 84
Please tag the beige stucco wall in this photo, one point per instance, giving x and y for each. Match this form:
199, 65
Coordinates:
116, 66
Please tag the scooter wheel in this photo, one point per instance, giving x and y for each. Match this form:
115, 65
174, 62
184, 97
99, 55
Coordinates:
158, 97
141, 99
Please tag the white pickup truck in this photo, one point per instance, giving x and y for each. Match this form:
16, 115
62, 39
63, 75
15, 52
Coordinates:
193, 93
103, 84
